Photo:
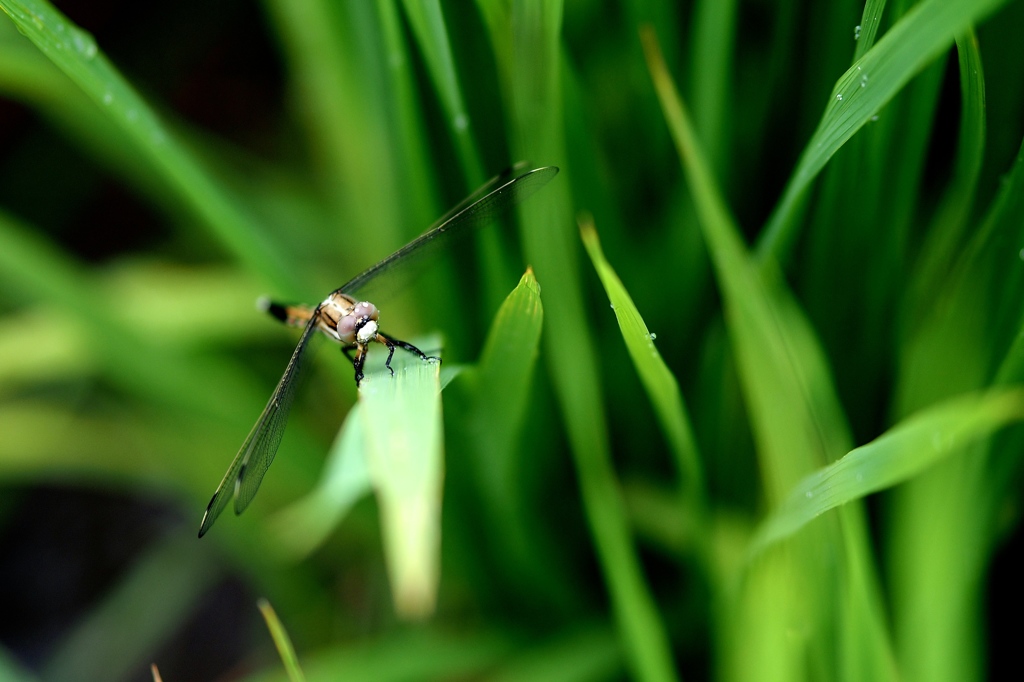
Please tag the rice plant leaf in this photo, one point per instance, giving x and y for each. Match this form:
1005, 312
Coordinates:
282, 641
866, 31
713, 49
497, 396
909, 448
528, 41
357, 95
797, 418
1005, 218
76, 53
503, 377
661, 386
945, 234
404, 451
798, 423
427, 22
920, 36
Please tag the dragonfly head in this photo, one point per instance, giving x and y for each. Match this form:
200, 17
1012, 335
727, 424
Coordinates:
359, 325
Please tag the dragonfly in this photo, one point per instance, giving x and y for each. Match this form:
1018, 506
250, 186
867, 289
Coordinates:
354, 324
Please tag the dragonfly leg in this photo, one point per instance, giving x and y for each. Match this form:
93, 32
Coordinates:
358, 362
405, 345
391, 351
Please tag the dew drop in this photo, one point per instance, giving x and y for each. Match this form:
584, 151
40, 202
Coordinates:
1021, 254
83, 43
856, 32
651, 336
809, 494
839, 97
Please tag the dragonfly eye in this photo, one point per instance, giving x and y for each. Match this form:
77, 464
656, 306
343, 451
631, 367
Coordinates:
359, 325
367, 310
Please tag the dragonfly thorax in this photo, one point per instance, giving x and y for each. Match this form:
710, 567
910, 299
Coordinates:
349, 321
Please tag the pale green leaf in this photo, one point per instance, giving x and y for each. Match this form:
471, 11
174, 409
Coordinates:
910, 447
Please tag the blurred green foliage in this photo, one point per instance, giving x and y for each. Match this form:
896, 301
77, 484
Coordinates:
807, 218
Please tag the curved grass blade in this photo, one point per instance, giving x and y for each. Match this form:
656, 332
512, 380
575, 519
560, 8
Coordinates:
76, 53
498, 394
428, 27
247, 469
660, 384
797, 419
507, 362
909, 448
282, 641
489, 202
868, 85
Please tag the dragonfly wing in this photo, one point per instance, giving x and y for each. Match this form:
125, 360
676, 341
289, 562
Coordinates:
491, 201
247, 469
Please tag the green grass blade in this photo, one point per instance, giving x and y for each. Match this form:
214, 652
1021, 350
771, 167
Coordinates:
662, 387
428, 26
527, 40
910, 447
714, 42
75, 52
866, 31
497, 397
355, 88
404, 450
946, 523
501, 389
37, 270
798, 425
798, 421
507, 362
282, 641
915, 40
430, 31
1006, 213
951, 220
